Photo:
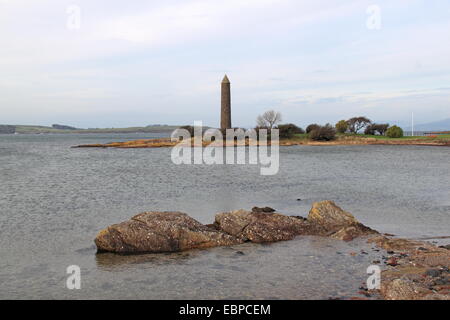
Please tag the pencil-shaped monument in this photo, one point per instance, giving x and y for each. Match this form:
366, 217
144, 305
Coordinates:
225, 115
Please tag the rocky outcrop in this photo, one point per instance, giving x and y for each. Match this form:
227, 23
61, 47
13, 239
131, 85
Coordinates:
416, 270
160, 232
336, 222
176, 231
257, 226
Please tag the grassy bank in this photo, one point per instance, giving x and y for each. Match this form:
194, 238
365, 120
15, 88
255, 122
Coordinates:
299, 139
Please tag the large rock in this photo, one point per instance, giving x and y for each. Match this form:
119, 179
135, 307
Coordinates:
257, 226
176, 231
336, 222
160, 232
330, 216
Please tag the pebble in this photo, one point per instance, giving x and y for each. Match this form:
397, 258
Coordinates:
392, 261
441, 282
433, 273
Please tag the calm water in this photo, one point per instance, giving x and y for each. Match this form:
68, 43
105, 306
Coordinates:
53, 201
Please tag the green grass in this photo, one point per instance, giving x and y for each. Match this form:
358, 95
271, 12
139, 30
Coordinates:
300, 136
378, 137
443, 136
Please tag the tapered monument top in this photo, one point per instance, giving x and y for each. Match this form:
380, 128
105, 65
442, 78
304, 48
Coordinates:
225, 79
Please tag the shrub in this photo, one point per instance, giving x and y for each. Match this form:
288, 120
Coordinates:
342, 126
311, 127
394, 132
323, 133
382, 128
370, 129
376, 128
288, 130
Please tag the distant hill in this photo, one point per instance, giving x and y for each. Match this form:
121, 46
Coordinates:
443, 125
63, 127
30, 129
6, 129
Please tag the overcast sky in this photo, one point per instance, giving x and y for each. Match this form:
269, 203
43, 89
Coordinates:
141, 62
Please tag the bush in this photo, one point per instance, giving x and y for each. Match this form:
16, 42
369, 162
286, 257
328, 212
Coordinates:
342, 126
382, 128
311, 127
370, 129
287, 131
323, 133
394, 132
376, 128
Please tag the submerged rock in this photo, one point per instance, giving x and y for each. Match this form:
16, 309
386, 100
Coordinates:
160, 232
265, 209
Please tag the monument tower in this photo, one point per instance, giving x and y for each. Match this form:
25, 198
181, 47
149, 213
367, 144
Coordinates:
225, 114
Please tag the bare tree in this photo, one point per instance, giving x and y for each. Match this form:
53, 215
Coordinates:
268, 119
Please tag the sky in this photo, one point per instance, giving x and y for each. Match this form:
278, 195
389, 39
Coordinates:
110, 63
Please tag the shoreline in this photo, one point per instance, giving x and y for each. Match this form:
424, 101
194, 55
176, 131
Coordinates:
341, 141
407, 269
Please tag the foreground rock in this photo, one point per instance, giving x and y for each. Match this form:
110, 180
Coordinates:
263, 225
414, 270
176, 231
421, 271
336, 222
160, 232
258, 226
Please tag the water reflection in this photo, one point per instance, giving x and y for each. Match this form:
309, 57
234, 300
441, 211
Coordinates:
119, 262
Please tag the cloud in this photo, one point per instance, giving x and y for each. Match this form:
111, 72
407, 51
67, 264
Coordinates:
310, 59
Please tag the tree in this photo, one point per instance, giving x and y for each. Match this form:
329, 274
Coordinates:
342, 126
376, 128
382, 128
357, 123
268, 119
394, 132
323, 133
288, 130
370, 129
311, 127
